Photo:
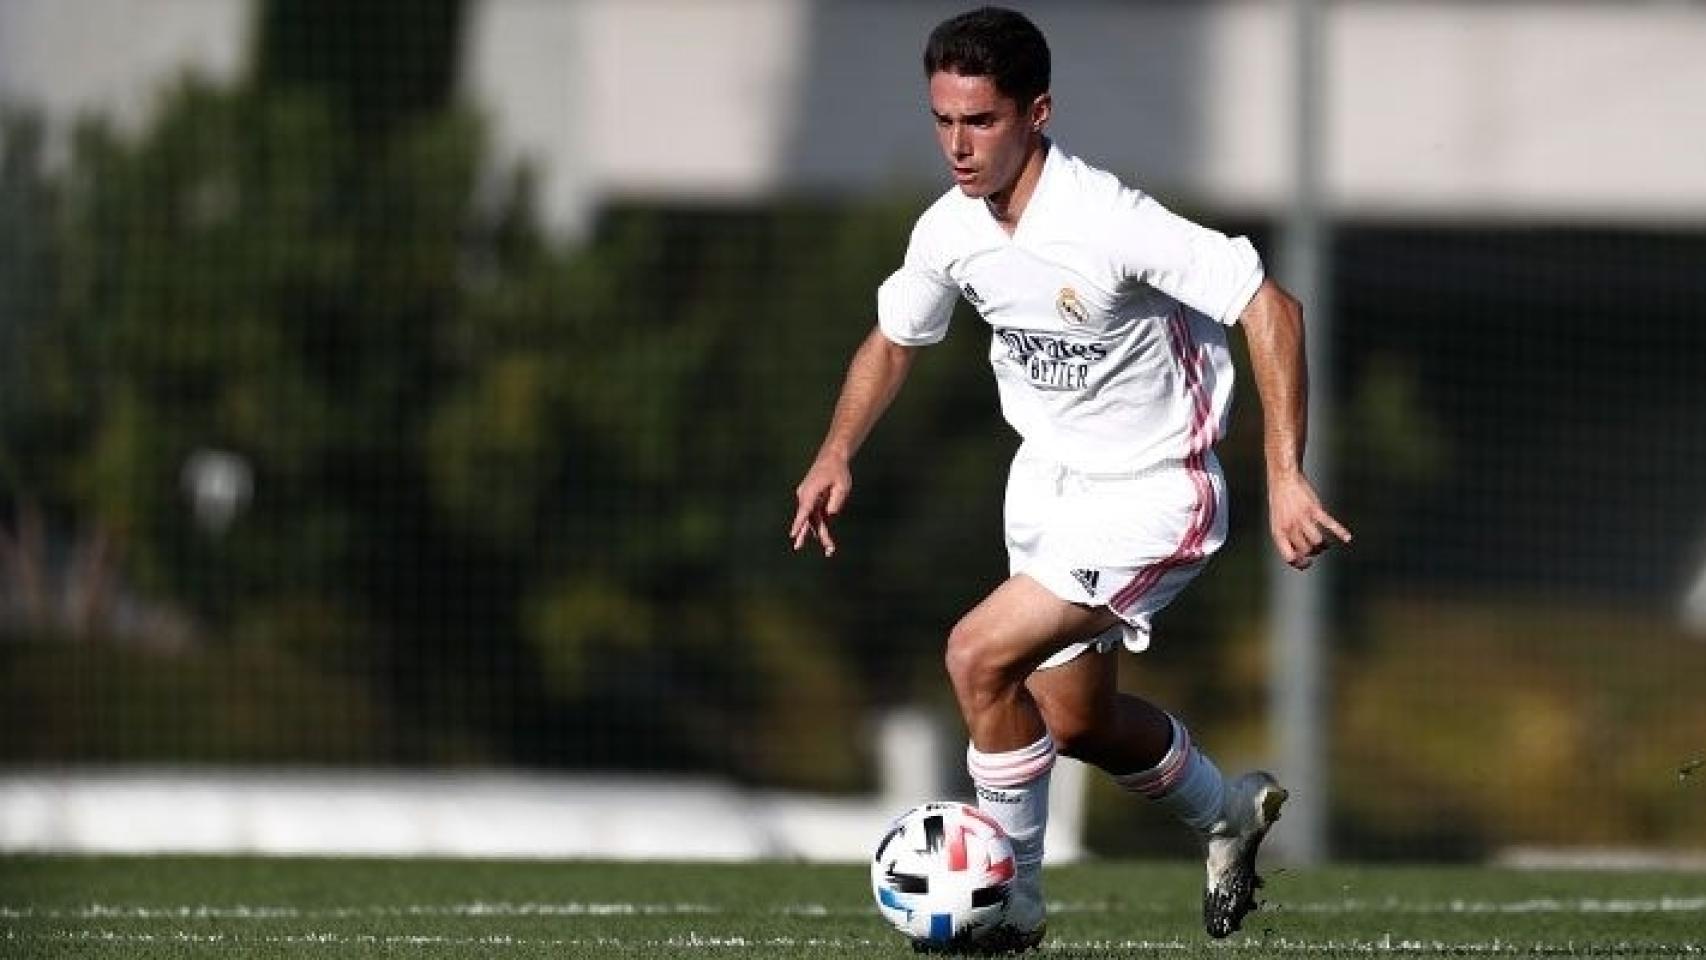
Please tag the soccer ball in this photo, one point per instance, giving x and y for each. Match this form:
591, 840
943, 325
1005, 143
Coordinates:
943, 874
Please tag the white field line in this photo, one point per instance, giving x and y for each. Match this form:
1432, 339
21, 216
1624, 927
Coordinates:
1548, 905
1664, 904
97, 911
1260, 946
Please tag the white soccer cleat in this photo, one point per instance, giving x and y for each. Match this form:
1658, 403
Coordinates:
1252, 805
1022, 929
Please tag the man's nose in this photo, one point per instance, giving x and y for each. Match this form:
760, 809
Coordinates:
958, 142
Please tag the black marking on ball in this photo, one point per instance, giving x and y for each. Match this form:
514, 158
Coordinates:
885, 844
908, 882
934, 829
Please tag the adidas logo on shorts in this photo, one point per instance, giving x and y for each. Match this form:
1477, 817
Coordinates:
1087, 579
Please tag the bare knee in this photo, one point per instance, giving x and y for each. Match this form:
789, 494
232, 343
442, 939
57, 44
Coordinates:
975, 666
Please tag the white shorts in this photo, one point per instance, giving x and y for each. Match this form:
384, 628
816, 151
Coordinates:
1126, 541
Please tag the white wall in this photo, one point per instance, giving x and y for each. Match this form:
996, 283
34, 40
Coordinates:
492, 813
71, 57
638, 97
1592, 110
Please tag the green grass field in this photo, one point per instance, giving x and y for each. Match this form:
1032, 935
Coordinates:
249, 907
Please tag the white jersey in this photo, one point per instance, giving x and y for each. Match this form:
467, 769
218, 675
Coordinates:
1108, 312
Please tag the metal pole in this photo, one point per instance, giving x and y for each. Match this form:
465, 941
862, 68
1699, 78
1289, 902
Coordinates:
1299, 624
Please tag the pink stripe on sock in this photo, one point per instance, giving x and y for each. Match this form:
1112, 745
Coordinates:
1013, 767
1158, 781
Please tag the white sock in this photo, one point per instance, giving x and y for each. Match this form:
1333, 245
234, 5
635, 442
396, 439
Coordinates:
1012, 787
1185, 782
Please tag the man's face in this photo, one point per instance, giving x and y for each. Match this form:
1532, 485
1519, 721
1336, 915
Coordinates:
982, 133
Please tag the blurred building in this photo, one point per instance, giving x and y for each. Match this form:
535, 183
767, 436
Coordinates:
1507, 110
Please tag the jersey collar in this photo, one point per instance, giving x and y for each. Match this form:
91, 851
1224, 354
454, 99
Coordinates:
1053, 161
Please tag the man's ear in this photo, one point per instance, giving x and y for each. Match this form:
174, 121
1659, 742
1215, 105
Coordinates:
1042, 108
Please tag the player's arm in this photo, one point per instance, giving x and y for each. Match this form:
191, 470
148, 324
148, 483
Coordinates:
1273, 327
874, 376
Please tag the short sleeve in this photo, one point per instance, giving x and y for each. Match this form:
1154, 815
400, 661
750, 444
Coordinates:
916, 302
1204, 269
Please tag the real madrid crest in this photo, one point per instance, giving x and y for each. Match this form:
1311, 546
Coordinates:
1072, 310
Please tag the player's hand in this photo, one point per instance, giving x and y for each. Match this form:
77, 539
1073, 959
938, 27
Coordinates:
1302, 528
819, 497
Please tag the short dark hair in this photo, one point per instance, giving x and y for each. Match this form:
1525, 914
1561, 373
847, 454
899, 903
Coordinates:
992, 42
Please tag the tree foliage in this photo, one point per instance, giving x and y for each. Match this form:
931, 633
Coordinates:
532, 497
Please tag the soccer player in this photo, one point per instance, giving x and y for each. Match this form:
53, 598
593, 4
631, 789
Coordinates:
1109, 315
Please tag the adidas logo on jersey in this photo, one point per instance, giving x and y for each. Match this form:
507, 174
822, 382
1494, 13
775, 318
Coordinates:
1088, 580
